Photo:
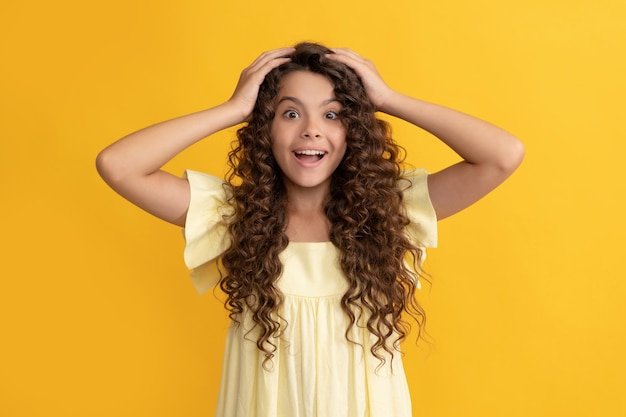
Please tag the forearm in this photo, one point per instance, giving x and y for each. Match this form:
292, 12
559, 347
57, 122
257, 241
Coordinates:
475, 140
489, 153
146, 151
132, 165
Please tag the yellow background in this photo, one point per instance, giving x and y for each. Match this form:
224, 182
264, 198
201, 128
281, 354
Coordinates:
527, 310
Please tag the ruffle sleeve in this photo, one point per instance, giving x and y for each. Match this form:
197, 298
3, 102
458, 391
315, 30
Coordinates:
423, 227
206, 230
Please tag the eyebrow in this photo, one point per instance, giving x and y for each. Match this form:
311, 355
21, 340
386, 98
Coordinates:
298, 102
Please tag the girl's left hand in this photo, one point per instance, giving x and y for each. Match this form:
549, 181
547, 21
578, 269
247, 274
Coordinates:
377, 90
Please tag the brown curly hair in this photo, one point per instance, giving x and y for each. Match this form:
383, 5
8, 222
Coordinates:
364, 208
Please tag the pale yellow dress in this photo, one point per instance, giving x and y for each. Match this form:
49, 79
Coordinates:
316, 372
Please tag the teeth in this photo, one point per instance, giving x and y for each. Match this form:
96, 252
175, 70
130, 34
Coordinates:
310, 152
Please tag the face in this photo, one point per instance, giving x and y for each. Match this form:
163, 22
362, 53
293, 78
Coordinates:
308, 138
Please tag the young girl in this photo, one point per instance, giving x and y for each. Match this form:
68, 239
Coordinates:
317, 236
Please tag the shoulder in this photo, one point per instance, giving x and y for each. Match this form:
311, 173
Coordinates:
207, 191
206, 228
201, 180
414, 185
419, 208
416, 175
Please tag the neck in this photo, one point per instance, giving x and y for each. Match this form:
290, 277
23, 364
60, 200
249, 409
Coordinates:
306, 200
306, 220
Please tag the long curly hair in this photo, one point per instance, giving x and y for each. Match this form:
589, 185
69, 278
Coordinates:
364, 208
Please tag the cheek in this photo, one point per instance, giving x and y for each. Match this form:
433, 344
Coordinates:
342, 140
344, 150
278, 128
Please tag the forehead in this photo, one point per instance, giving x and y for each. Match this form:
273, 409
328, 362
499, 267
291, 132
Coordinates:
305, 84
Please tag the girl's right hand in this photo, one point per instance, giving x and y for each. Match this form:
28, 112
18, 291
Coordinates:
132, 165
252, 77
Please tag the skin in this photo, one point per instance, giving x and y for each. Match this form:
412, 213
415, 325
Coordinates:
132, 165
307, 120
489, 153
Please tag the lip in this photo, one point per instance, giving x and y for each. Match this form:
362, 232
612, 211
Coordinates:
303, 149
307, 164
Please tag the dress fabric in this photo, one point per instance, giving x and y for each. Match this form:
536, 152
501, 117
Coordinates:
316, 371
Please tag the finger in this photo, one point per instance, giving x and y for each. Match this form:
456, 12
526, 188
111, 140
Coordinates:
356, 62
349, 53
258, 73
271, 55
361, 66
344, 51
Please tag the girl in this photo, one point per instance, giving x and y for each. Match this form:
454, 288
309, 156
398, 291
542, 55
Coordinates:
317, 236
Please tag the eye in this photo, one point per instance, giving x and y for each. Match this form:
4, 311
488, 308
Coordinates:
331, 115
291, 114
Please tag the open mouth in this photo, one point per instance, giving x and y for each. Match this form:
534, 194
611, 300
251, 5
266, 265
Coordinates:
309, 155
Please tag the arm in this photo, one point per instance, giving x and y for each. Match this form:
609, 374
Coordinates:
489, 153
132, 165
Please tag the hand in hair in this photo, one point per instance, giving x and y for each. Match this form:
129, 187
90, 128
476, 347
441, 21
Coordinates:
132, 165
377, 90
247, 89
489, 153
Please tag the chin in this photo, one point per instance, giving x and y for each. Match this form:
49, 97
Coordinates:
308, 183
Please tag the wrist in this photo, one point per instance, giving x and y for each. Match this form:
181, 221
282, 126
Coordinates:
233, 112
387, 102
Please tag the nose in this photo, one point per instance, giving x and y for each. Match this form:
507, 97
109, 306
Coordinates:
311, 129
